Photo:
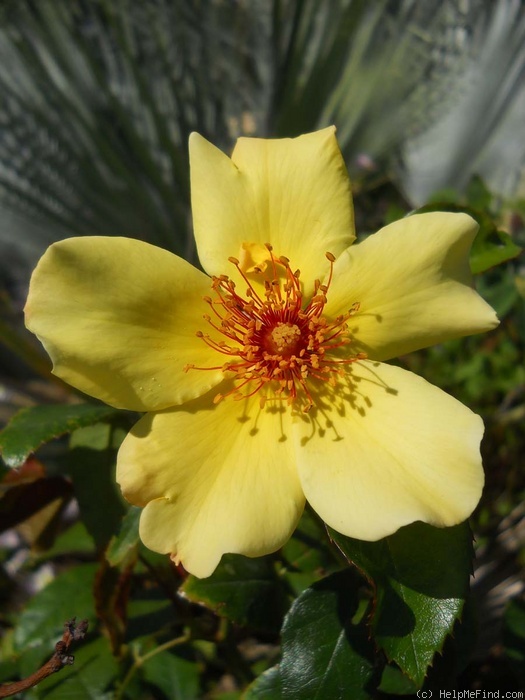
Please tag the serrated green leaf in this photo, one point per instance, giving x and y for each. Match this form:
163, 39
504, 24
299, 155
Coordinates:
324, 654
127, 539
177, 678
32, 427
421, 579
246, 591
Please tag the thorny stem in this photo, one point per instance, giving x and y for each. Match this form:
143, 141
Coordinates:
61, 658
140, 660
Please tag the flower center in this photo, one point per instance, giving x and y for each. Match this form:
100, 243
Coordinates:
273, 343
284, 339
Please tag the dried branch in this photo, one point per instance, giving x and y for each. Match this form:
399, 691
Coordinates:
61, 658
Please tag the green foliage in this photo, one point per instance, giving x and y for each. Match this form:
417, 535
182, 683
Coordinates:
420, 577
32, 427
88, 679
246, 591
123, 544
325, 653
175, 677
514, 636
41, 623
491, 246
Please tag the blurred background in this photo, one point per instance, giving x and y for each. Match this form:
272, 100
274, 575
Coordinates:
98, 98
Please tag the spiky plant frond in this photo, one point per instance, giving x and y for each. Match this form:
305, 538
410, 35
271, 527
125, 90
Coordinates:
483, 129
99, 98
379, 71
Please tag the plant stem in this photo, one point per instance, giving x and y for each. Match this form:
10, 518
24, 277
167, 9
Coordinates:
140, 660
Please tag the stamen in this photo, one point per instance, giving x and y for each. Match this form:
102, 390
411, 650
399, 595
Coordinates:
274, 344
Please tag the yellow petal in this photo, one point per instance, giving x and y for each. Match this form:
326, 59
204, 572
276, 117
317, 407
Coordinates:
118, 318
386, 450
413, 283
216, 479
292, 193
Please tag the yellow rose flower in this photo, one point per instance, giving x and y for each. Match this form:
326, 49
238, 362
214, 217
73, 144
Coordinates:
264, 384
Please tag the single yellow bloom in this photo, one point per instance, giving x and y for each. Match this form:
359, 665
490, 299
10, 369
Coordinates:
264, 385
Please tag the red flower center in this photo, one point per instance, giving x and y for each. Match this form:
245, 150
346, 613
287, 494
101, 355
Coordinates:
272, 343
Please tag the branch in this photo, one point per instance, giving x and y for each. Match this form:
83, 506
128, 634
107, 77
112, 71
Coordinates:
61, 658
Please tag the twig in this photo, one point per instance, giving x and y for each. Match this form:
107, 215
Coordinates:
61, 658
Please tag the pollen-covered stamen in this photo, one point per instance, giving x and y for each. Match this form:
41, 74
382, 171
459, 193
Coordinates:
274, 345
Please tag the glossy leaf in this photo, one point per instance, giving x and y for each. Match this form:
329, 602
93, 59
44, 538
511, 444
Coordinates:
246, 591
268, 686
420, 577
32, 427
325, 653
394, 682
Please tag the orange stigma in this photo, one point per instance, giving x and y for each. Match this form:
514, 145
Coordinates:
272, 344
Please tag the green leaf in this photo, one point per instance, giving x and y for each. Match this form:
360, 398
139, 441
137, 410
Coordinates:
41, 623
307, 555
325, 654
267, 687
22, 502
32, 427
394, 682
177, 678
246, 591
478, 195
124, 543
514, 636
88, 678
73, 541
491, 247
421, 579
91, 465
149, 614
